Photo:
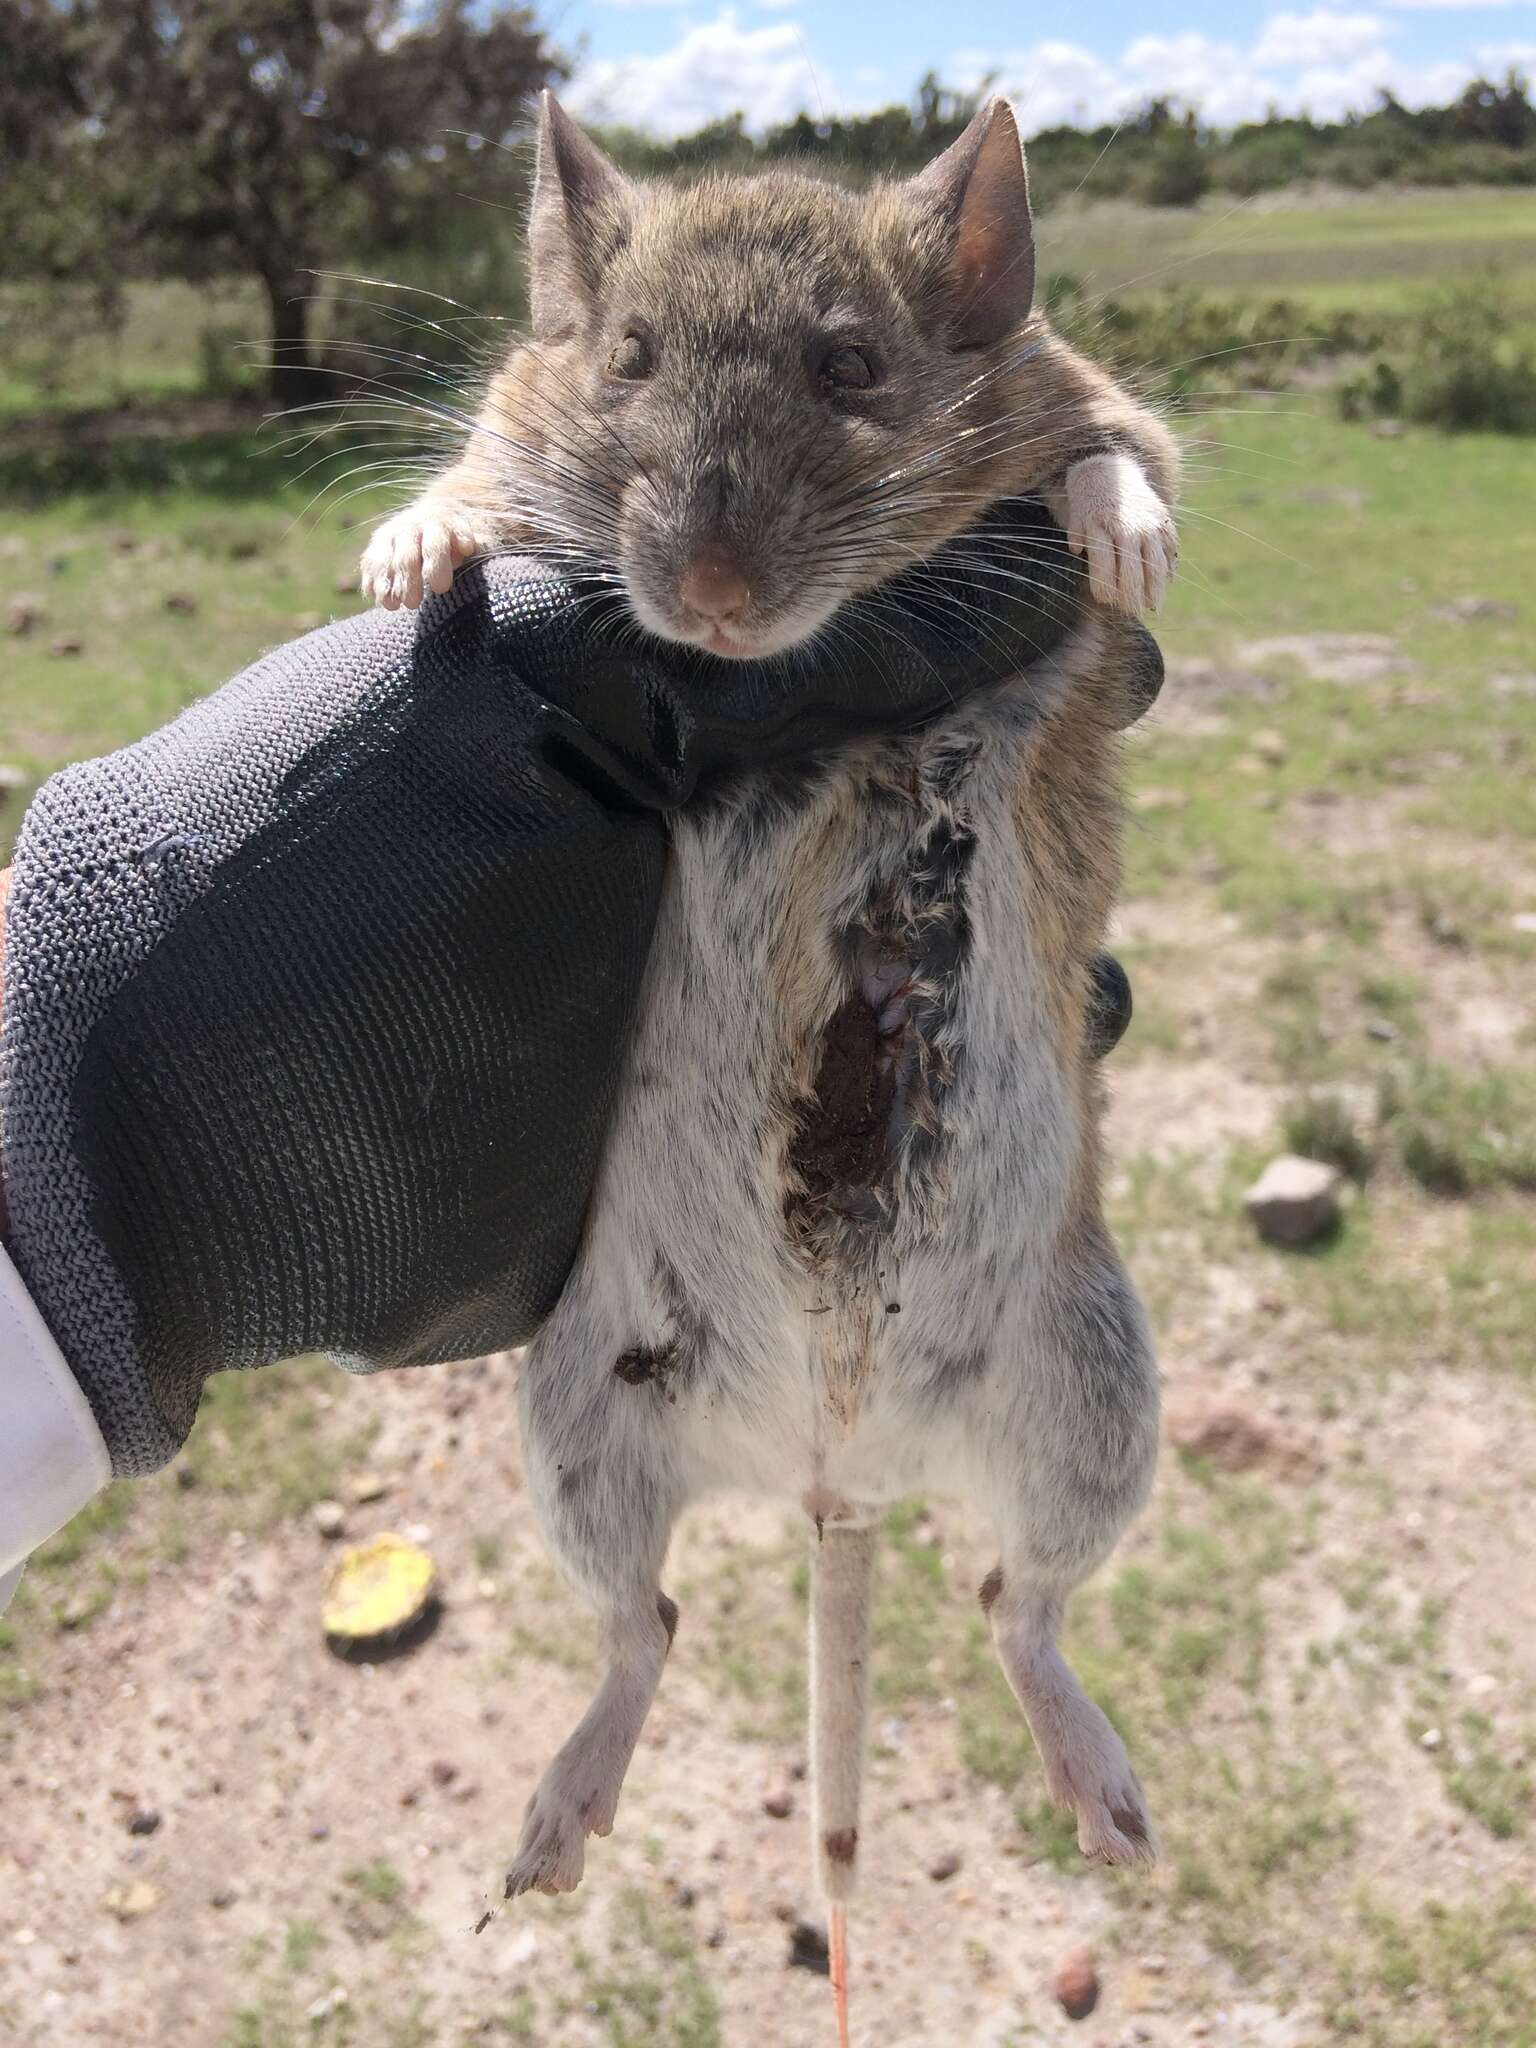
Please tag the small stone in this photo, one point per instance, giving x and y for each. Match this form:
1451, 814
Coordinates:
778, 1802
808, 1948
1431, 1739
443, 1772
1271, 748
24, 1937
1381, 1030
362, 1487
1481, 1684
180, 601
75, 1612
1154, 1966
1294, 1201
320, 1832
132, 1901
223, 1898
1076, 1983
144, 1821
1387, 430
23, 614
1523, 920
329, 1517
944, 1866
67, 643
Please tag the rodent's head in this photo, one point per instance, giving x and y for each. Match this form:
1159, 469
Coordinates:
757, 396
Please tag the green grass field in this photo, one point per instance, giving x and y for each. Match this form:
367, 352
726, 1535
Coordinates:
1323, 1661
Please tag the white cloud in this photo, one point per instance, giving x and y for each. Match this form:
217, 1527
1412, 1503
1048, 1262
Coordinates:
1325, 60
713, 68
1320, 37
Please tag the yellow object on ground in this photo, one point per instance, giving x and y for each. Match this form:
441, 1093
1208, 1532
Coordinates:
379, 1592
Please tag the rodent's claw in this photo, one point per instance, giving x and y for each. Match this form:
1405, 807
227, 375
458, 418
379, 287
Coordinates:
1119, 522
417, 551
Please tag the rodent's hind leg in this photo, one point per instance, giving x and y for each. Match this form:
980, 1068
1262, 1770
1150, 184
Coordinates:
1064, 1465
579, 1793
1086, 1768
601, 1461
418, 550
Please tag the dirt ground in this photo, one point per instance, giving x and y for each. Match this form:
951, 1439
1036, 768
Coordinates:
1319, 1642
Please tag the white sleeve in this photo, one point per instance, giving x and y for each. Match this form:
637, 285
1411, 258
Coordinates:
52, 1458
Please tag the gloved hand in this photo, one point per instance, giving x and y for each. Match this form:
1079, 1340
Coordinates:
316, 999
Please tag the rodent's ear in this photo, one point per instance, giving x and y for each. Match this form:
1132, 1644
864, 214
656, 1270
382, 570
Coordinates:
980, 189
581, 208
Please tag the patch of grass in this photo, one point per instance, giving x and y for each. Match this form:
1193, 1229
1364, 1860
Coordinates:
1459, 1134
1323, 1124
650, 1990
1445, 1973
378, 1882
302, 1942
263, 1440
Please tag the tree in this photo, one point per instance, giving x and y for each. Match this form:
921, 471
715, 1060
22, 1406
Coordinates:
269, 136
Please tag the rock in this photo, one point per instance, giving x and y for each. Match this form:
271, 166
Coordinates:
362, 1487
75, 1612
1076, 1983
808, 1948
132, 1901
1271, 748
944, 1865
329, 1517
67, 643
1431, 1739
1522, 921
778, 1802
143, 1821
1482, 1684
180, 601
1464, 611
1382, 1030
1294, 1201
1387, 430
443, 1772
23, 614
223, 1898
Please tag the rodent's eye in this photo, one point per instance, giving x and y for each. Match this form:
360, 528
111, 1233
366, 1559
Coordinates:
847, 369
631, 359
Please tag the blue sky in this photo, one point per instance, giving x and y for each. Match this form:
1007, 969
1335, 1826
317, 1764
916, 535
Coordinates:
668, 65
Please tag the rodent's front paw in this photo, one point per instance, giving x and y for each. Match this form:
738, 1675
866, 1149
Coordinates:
1116, 518
417, 551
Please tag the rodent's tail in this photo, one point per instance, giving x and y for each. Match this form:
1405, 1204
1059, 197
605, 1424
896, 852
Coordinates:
842, 1575
842, 1578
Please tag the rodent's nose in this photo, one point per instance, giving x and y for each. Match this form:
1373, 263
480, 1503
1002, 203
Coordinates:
714, 584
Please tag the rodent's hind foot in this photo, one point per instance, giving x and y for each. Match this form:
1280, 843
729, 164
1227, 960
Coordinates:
417, 551
552, 1853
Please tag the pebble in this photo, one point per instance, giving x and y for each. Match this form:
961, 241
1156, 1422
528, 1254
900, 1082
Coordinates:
1524, 921
132, 1901
1481, 1684
143, 1821
944, 1866
180, 601
1294, 1201
1271, 748
362, 1487
329, 1517
67, 643
1431, 1739
23, 614
223, 1898
1076, 1983
779, 1802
